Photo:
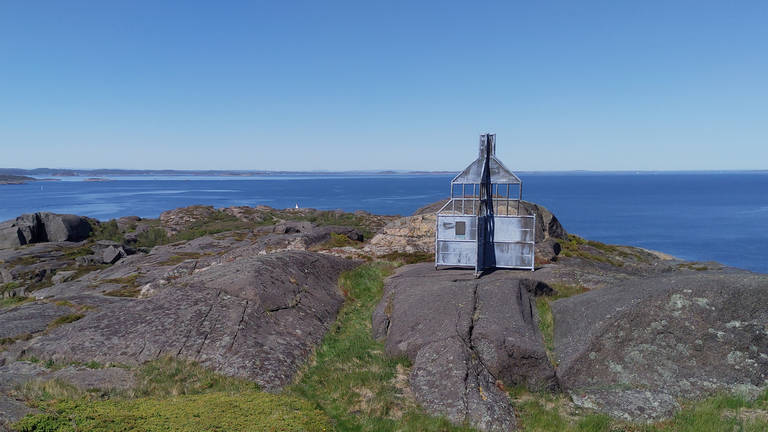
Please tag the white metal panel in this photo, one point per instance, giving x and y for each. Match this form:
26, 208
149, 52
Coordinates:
446, 227
456, 253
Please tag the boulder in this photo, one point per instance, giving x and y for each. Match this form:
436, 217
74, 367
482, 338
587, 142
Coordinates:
43, 227
633, 349
65, 227
466, 338
252, 316
111, 254
62, 276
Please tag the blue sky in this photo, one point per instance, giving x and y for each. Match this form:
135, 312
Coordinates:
294, 85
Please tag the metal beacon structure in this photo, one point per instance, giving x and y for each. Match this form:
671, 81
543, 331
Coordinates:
481, 226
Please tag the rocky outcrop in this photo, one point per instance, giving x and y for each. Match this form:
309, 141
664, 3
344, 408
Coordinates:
246, 315
467, 338
416, 233
43, 227
15, 374
25, 320
177, 220
634, 349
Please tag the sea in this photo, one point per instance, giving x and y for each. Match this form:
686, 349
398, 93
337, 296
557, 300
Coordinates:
698, 216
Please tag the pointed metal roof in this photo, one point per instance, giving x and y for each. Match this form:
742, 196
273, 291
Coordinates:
473, 174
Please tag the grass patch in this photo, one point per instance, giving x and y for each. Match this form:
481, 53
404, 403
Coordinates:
546, 320
336, 241
152, 237
78, 252
351, 379
170, 395
692, 266
215, 223
26, 260
129, 288
176, 377
363, 223
107, 231
10, 340
10, 302
83, 270
590, 250
64, 319
10, 286
546, 412
180, 257
256, 411
409, 257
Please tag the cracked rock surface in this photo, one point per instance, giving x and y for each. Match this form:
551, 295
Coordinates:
247, 315
633, 349
466, 338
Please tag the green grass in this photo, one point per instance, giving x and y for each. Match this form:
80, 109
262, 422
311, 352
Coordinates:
10, 302
107, 231
350, 384
10, 340
180, 257
152, 237
250, 411
175, 377
692, 266
543, 412
554, 412
9, 286
409, 257
546, 320
65, 319
170, 395
362, 223
78, 252
574, 246
129, 288
351, 379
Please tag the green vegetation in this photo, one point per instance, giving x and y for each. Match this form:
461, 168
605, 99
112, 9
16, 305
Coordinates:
9, 286
216, 223
336, 241
591, 250
546, 319
175, 377
180, 257
361, 222
404, 258
107, 231
78, 252
26, 260
170, 395
129, 288
9, 302
65, 319
152, 237
350, 384
256, 411
10, 340
553, 412
692, 266
351, 379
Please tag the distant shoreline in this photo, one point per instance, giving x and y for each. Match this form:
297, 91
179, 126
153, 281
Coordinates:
20, 175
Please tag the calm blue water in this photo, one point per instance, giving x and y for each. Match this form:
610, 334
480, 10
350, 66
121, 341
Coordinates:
708, 216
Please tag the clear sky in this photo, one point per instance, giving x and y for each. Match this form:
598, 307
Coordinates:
306, 85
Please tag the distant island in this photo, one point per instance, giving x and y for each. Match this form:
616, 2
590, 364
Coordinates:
14, 179
101, 172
